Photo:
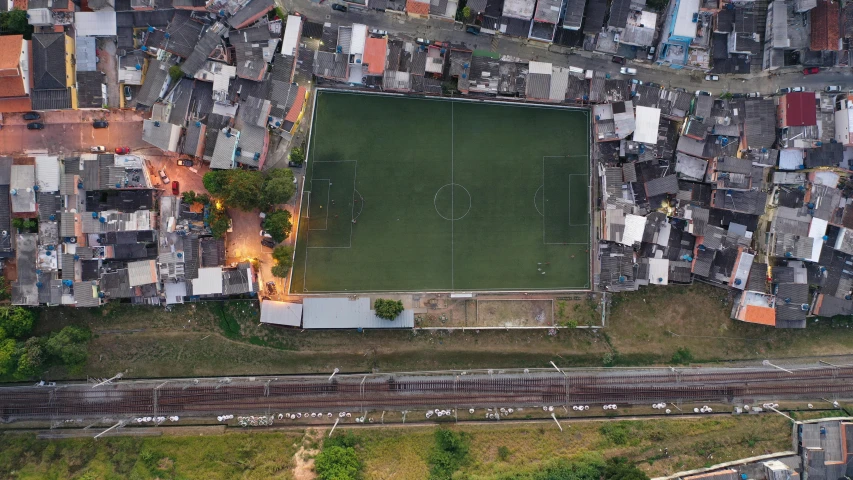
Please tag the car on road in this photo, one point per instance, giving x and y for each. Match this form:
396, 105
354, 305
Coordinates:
98, 149
294, 164
618, 59
833, 89
423, 41
163, 177
703, 92
339, 7
268, 242
753, 95
628, 71
35, 126
636, 82
100, 124
31, 116
183, 162
712, 78
651, 54
473, 30
738, 95
127, 93
653, 84
176, 187
790, 89
265, 234
811, 70
271, 288
122, 150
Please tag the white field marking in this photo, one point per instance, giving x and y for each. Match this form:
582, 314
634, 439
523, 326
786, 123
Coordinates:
328, 198
451, 185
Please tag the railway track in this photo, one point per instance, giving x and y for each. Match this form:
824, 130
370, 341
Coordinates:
188, 397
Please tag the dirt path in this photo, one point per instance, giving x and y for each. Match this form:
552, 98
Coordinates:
303, 459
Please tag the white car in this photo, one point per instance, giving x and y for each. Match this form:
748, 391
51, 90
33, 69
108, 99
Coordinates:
833, 89
163, 177
98, 149
628, 71
265, 234
712, 78
753, 95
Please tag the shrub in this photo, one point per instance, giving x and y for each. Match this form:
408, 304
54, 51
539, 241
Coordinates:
387, 309
682, 356
450, 453
338, 463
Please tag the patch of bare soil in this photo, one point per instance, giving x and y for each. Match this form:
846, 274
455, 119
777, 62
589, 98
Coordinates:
303, 459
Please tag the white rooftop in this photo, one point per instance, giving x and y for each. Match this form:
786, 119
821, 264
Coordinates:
346, 313
291, 35
209, 281
95, 24
281, 313
684, 24
646, 125
47, 173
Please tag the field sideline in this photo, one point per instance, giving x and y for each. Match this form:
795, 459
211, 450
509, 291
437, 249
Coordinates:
412, 194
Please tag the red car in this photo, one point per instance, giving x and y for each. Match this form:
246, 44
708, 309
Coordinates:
122, 150
176, 188
811, 70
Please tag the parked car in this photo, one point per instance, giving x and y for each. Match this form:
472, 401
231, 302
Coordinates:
122, 150
294, 164
35, 126
183, 162
651, 54
738, 95
618, 59
753, 95
163, 177
423, 41
271, 288
628, 71
811, 70
473, 30
798, 89
833, 89
265, 234
653, 84
127, 93
703, 92
339, 7
176, 187
31, 116
636, 82
712, 78
268, 242
98, 149
100, 124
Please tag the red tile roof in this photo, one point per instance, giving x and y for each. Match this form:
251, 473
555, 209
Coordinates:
417, 8
826, 26
20, 104
11, 47
296, 108
760, 315
20, 4
374, 55
800, 109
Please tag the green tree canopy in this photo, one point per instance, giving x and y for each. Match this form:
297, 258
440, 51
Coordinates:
278, 225
17, 322
297, 155
175, 73
337, 463
68, 345
7, 353
278, 187
15, 22
283, 257
387, 309
619, 468
31, 358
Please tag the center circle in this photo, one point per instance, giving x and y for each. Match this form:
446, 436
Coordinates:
452, 201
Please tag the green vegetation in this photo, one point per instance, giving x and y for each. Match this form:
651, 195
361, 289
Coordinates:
216, 216
277, 224
449, 454
387, 309
682, 356
25, 225
297, 155
15, 22
175, 73
249, 190
282, 255
337, 463
246, 456
456, 198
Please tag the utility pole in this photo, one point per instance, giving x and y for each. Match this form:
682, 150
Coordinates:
109, 380
333, 373
767, 363
119, 424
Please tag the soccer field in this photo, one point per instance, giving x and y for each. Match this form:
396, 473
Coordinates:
417, 194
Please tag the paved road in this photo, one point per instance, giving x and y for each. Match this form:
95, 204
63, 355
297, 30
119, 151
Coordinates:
446, 31
71, 131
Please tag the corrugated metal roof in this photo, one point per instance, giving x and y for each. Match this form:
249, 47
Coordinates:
281, 313
351, 314
142, 273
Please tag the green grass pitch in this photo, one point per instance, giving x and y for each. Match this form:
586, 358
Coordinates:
417, 194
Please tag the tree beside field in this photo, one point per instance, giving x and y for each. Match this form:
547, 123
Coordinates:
249, 190
387, 309
278, 225
282, 255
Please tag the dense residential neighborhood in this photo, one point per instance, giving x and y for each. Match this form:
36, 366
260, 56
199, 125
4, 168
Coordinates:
745, 191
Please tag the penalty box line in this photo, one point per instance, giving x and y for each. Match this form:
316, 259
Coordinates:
545, 197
